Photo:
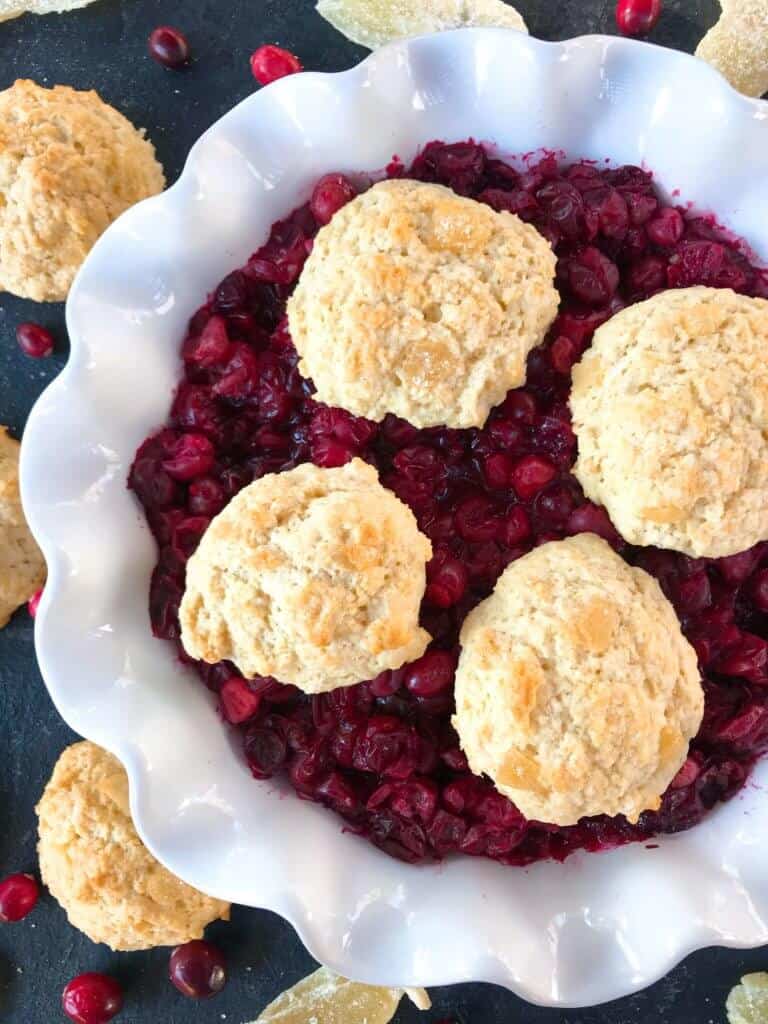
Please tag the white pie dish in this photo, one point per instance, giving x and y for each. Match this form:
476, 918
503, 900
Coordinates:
592, 929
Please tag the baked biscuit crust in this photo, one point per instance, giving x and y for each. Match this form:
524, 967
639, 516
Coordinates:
419, 302
69, 165
97, 868
670, 406
22, 566
313, 576
576, 691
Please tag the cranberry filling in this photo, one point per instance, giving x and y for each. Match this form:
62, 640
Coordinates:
383, 754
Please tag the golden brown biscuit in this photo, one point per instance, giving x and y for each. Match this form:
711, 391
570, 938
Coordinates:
738, 45
576, 691
670, 406
313, 576
69, 165
22, 566
14, 8
422, 303
95, 865
373, 23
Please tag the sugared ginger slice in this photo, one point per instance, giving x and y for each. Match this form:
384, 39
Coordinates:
327, 998
738, 45
372, 23
748, 1002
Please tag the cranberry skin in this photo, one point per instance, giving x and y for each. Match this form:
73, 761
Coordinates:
637, 17
34, 602
269, 63
431, 674
92, 999
198, 969
18, 895
169, 47
330, 194
34, 340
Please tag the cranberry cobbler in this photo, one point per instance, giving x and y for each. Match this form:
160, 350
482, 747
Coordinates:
383, 754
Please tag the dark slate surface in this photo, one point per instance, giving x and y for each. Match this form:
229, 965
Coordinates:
103, 47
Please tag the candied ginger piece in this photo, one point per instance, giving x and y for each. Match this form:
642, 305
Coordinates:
738, 45
372, 23
327, 998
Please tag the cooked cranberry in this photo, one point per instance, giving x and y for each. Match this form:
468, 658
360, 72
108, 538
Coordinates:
530, 475
18, 895
169, 47
446, 582
192, 455
206, 497
92, 999
476, 519
666, 228
238, 701
497, 469
637, 17
384, 754
431, 674
34, 602
760, 590
265, 751
269, 63
211, 347
646, 276
593, 519
593, 278
329, 195
198, 969
34, 340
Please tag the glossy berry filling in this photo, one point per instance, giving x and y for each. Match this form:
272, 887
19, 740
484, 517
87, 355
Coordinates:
383, 754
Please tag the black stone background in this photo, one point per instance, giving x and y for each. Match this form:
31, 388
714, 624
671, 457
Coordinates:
104, 47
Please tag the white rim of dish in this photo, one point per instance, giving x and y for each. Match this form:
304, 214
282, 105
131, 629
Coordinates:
569, 955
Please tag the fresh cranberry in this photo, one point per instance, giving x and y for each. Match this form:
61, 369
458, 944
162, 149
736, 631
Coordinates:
34, 602
169, 47
329, 195
269, 63
92, 999
34, 340
198, 969
637, 17
18, 895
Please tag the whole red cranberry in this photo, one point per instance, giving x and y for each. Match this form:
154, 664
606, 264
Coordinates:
269, 63
92, 999
34, 340
34, 602
637, 17
329, 195
18, 895
198, 969
169, 47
